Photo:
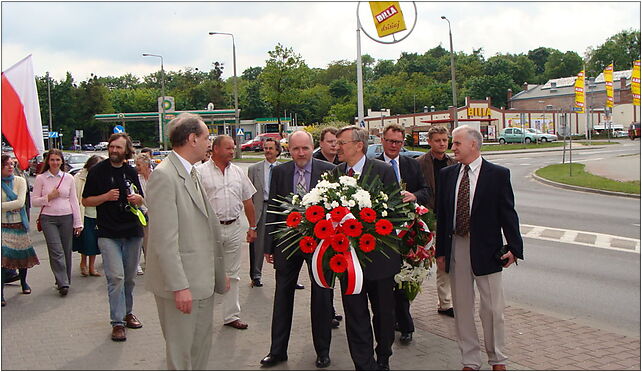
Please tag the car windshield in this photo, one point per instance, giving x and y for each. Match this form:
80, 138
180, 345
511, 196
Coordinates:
532, 130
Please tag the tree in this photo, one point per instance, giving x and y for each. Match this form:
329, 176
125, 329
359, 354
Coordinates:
495, 87
282, 78
539, 56
620, 49
383, 67
561, 64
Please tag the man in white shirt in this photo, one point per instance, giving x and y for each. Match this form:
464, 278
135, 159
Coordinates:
229, 191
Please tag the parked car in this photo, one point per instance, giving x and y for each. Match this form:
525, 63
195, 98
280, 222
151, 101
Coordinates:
515, 135
620, 133
634, 131
75, 160
256, 144
541, 136
136, 143
88, 147
101, 146
35, 165
74, 148
376, 149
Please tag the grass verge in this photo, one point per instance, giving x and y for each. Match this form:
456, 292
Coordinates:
560, 173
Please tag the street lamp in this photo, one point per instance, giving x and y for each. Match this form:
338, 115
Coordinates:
237, 153
162, 120
452, 70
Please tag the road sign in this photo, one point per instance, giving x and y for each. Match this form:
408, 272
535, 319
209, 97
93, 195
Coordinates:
239, 132
363, 124
79, 133
119, 129
53, 134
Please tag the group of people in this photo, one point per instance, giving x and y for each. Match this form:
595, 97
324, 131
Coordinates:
193, 201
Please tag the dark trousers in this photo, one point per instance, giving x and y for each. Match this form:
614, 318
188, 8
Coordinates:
359, 328
320, 308
402, 311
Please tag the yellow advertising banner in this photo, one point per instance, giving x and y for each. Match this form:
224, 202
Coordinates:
387, 17
635, 83
608, 81
579, 93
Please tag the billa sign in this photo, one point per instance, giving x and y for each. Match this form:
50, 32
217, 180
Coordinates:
387, 17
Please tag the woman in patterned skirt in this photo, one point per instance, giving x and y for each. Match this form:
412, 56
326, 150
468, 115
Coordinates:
17, 250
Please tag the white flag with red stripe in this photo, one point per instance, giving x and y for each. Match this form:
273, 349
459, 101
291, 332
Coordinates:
21, 122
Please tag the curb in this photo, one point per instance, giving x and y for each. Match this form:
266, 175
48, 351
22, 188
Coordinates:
584, 189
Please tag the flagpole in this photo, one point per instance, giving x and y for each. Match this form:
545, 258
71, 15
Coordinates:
49, 97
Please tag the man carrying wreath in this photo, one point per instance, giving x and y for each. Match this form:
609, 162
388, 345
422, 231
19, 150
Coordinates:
379, 274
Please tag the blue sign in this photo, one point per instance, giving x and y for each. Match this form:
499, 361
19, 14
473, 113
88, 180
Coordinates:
363, 124
53, 134
119, 129
239, 132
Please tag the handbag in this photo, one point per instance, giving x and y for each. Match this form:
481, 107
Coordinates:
38, 223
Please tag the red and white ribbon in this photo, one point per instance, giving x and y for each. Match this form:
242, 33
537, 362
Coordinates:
353, 270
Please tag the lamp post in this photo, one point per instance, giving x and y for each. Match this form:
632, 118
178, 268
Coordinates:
237, 152
452, 71
162, 120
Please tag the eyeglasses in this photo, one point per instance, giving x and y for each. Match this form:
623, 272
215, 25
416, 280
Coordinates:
393, 142
341, 143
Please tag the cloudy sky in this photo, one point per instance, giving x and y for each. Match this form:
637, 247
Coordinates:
108, 38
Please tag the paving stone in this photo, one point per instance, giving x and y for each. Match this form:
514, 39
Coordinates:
552, 234
585, 238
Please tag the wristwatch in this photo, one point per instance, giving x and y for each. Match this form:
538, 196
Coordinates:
253, 228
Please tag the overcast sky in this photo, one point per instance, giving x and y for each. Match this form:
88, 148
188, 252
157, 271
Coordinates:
108, 38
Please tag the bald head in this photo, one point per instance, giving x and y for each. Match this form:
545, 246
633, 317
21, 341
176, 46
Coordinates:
301, 145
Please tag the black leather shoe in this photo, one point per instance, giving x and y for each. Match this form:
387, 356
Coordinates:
272, 360
335, 323
63, 291
299, 286
322, 362
406, 338
383, 366
257, 283
450, 312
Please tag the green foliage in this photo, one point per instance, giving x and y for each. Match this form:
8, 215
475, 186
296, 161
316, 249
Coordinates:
561, 64
315, 130
620, 49
579, 177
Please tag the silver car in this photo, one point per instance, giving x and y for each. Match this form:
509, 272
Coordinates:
541, 136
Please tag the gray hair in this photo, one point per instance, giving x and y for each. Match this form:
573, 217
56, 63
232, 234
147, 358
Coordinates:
218, 140
358, 135
145, 159
301, 131
182, 126
472, 133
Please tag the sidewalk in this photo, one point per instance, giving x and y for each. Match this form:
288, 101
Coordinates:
45, 331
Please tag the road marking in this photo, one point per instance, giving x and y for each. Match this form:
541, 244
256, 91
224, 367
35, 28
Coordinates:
524, 164
587, 238
592, 159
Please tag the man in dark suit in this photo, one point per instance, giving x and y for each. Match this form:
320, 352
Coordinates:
409, 174
476, 205
378, 275
431, 163
299, 175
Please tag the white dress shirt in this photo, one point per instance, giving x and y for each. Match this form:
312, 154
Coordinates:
358, 167
266, 178
227, 190
473, 175
188, 166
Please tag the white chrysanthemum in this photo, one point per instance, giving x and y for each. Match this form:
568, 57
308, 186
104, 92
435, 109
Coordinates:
384, 213
349, 181
351, 203
334, 204
313, 197
327, 206
362, 197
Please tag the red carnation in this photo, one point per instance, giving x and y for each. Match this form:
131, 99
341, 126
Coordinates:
294, 219
410, 242
352, 228
383, 227
323, 229
421, 210
340, 243
314, 213
338, 213
338, 263
368, 215
367, 243
307, 244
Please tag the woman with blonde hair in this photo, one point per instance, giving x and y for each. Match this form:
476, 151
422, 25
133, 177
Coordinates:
87, 243
55, 192
144, 169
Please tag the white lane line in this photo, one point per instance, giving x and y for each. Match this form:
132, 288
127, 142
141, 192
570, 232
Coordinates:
602, 240
524, 164
593, 159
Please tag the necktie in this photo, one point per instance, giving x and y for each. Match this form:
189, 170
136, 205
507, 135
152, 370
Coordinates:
194, 174
350, 172
269, 179
300, 185
462, 218
393, 162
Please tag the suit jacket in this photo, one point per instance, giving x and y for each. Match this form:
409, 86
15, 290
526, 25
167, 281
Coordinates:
381, 266
257, 177
282, 184
493, 211
428, 170
411, 174
184, 239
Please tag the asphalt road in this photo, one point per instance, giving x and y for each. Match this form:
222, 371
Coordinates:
595, 286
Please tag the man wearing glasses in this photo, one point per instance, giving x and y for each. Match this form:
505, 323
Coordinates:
414, 189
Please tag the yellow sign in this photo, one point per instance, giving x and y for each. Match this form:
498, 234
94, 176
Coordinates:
608, 81
387, 17
579, 93
635, 83
478, 111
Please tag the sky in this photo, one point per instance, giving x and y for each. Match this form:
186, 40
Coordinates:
109, 38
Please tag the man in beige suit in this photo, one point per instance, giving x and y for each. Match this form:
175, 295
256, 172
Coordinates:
184, 259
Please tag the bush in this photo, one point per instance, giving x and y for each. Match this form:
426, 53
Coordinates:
316, 129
